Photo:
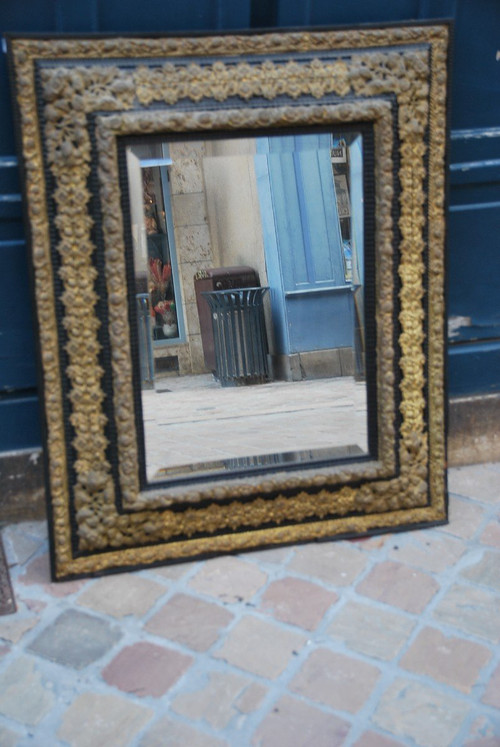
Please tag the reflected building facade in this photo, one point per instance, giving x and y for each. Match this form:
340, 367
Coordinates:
290, 207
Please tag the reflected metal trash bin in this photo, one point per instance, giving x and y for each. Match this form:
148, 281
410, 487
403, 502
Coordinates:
212, 279
241, 351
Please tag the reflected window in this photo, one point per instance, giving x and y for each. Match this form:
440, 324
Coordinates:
155, 262
160, 285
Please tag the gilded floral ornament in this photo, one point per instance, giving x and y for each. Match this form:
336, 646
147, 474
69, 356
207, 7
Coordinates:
220, 81
76, 98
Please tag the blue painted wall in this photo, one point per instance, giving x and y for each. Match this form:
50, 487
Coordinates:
474, 217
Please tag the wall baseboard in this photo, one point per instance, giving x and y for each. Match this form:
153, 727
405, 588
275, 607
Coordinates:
22, 492
474, 429
473, 438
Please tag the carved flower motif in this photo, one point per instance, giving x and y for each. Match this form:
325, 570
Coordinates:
142, 82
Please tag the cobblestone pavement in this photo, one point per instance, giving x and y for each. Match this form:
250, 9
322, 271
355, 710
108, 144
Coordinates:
391, 640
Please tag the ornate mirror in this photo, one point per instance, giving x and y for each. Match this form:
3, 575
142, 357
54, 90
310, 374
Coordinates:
237, 246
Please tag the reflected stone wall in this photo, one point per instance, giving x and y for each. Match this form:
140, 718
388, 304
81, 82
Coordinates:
193, 245
233, 205
216, 219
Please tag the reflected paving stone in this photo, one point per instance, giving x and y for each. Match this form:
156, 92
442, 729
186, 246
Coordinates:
122, 595
23, 696
293, 723
170, 733
429, 551
284, 599
471, 610
260, 647
146, 669
492, 693
190, 621
465, 518
75, 639
216, 702
229, 579
371, 631
475, 481
486, 572
338, 563
399, 585
338, 681
451, 660
410, 709
99, 720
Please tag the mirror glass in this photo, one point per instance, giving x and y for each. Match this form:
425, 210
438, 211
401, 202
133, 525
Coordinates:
249, 264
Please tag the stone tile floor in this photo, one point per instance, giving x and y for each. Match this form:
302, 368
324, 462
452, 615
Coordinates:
392, 640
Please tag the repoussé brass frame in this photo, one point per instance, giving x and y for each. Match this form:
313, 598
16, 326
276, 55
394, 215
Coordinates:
75, 97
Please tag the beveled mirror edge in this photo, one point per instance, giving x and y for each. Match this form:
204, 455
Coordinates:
181, 351
65, 559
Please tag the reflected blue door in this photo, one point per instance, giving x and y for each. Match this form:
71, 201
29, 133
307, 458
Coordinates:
311, 304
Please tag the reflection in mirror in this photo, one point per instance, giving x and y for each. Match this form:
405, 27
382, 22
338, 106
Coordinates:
212, 221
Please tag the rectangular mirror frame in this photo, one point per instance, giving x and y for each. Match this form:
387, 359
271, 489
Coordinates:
75, 97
